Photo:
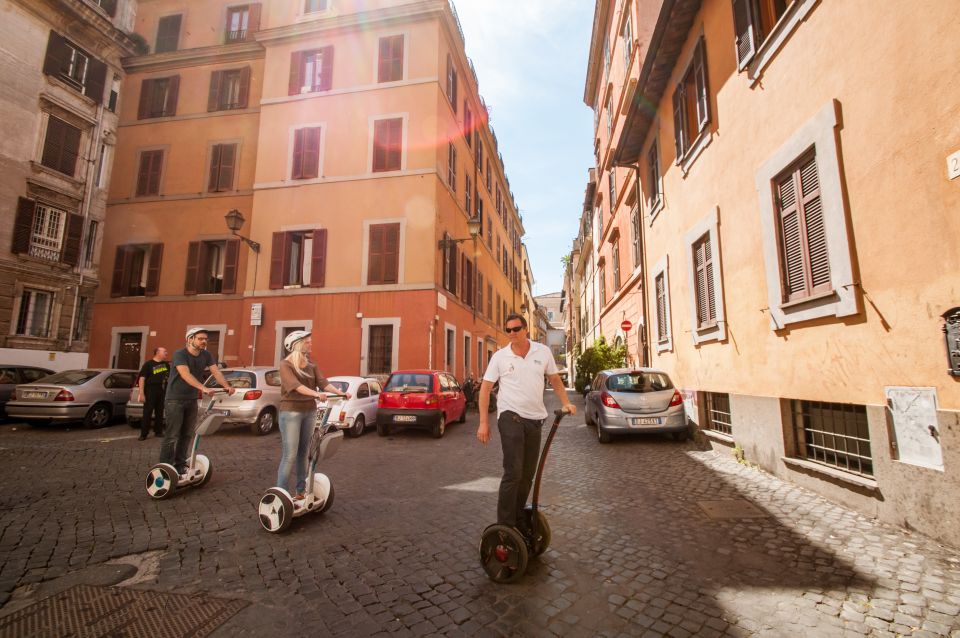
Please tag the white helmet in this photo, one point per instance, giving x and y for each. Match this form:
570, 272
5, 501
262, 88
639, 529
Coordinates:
294, 337
195, 331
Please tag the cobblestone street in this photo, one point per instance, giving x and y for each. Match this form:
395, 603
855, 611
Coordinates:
638, 549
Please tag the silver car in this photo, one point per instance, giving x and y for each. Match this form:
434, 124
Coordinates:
91, 395
256, 402
13, 375
361, 409
627, 400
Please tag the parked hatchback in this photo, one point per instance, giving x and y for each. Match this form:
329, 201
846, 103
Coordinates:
360, 410
426, 399
255, 404
93, 396
13, 375
627, 401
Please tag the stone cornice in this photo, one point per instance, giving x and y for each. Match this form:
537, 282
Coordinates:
214, 54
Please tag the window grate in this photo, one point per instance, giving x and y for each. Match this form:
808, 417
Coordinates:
718, 413
835, 434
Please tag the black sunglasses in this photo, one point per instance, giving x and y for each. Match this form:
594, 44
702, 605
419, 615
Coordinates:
514, 329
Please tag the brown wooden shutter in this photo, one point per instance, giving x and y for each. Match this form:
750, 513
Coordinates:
276, 260
231, 261
96, 80
153, 270
708, 274
173, 92
71, 247
23, 226
192, 273
213, 97
53, 143
228, 162
214, 183
791, 243
58, 52
326, 76
395, 148
253, 20
146, 91
816, 236
244, 87
318, 262
383, 60
379, 146
118, 285
143, 173
297, 170
390, 62
310, 167
296, 73
661, 308
700, 76
110, 6
678, 120
168, 33
71, 150
375, 252
744, 22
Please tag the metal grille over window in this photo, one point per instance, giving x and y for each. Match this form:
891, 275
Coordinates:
718, 412
47, 237
835, 434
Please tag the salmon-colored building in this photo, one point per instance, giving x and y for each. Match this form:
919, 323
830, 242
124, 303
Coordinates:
799, 194
352, 140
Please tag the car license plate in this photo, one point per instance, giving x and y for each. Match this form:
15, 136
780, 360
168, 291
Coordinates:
34, 395
645, 421
404, 418
221, 412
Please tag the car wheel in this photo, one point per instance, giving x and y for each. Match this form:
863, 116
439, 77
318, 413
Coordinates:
98, 416
264, 423
602, 435
439, 427
383, 429
358, 426
463, 415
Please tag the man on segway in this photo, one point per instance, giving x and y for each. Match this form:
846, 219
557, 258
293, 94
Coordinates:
520, 368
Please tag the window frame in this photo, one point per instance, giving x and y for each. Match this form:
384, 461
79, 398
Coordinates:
282, 253
60, 150
366, 275
24, 314
167, 38
754, 55
692, 114
146, 190
215, 167
401, 152
708, 227
661, 270
403, 58
298, 136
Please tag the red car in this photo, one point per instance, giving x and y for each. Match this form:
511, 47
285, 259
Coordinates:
428, 399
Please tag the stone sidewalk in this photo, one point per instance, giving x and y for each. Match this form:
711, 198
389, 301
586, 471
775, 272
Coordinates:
650, 537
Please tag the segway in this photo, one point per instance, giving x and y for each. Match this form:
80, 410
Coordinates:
505, 550
278, 507
163, 479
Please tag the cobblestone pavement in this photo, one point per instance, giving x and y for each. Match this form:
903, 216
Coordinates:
633, 551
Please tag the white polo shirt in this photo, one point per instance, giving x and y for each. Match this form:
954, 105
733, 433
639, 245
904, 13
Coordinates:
521, 380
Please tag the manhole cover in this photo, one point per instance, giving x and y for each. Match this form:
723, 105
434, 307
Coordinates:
734, 508
85, 611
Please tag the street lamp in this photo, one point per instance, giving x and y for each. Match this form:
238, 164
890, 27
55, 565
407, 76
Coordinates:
235, 222
474, 226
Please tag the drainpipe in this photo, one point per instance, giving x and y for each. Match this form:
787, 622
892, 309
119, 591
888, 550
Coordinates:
430, 348
643, 272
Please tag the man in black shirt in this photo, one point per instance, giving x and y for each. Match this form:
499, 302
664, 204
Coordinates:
153, 384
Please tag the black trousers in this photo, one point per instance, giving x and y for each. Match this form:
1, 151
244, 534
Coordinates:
520, 439
152, 410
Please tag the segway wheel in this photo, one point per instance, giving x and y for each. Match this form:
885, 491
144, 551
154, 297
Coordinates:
162, 481
276, 510
503, 554
207, 468
541, 541
329, 502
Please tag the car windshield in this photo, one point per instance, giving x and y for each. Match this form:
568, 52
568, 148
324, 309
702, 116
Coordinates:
70, 377
639, 382
341, 386
406, 382
239, 379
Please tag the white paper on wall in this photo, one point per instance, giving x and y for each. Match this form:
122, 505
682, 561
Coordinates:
914, 412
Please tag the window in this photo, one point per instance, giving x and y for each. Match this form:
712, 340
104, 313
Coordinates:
380, 349
229, 89
387, 145
654, 185
606, 56
835, 434
158, 97
312, 6
609, 111
466, 288
33, 318
101, 178
451, 257
168, 33
468, 201
661, 293
490, 301
489, 176
306, 153
691, 103
390, 61
311, 71
242, 22
753, 21
627, 35
299, 258
479, 301
449, 350
602, 283
136, 270
466, 354
74, 66
212, 267
383, 264
223, 161
109, 6
660, 301
46, 233
635, 235
615, 258
90, 243
451, 83
612, 184
81, 318
114, 94
148, 176
452, 167
61, 146
718, 412
804, 262
704, 292
46, 240
467, 124
499, 309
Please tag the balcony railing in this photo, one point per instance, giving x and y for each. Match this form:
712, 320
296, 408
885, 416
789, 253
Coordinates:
44, 252
237, 36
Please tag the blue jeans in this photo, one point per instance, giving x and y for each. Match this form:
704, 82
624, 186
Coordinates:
181, 417
295, 430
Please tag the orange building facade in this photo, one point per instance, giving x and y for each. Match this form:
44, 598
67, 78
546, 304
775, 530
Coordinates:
353, 141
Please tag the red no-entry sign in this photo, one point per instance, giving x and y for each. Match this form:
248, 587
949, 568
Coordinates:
626, 325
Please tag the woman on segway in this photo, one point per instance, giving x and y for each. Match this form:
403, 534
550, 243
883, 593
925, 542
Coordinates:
299, 383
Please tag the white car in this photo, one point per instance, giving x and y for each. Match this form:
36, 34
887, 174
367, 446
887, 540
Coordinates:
361, 409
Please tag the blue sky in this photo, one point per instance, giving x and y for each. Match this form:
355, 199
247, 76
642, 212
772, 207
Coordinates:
531, 60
